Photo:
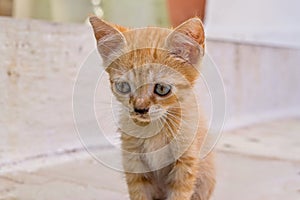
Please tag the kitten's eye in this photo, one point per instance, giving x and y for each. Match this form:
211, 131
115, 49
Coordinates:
162, 89
123, 87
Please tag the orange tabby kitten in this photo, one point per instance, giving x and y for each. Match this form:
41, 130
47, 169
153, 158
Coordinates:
152, 74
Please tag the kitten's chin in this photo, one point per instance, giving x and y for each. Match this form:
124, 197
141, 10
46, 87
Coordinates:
141, 120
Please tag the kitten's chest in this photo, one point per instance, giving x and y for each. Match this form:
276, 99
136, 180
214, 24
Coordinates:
156, 153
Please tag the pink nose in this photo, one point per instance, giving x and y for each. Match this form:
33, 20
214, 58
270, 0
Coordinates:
141, 104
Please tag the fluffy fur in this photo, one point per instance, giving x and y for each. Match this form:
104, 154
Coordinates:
161, 147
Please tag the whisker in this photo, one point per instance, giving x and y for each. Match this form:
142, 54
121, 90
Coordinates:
174, 137
175, 117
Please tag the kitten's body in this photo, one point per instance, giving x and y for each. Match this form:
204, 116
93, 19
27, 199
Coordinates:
188, 175
160, 155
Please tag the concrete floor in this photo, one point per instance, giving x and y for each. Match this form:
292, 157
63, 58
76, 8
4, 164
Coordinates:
260, 162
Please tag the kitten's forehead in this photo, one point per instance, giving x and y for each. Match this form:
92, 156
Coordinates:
153, 73
151, 37
152, 65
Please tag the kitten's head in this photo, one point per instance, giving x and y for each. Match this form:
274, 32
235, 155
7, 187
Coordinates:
152, 70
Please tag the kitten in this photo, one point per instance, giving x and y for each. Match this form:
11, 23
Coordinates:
152, 74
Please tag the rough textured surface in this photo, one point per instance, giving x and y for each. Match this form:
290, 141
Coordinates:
278, 140
261, 82
251, 175
40, 151
39, 63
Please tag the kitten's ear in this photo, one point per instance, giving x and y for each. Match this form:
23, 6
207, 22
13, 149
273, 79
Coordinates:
188, 41
110, 40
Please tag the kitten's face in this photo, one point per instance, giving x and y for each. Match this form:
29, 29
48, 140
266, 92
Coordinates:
152, 70
150, 91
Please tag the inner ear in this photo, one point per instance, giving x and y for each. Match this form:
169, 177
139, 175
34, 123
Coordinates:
187, 41
110, 40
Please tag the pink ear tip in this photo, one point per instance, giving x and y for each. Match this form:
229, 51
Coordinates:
196, 20
93, 18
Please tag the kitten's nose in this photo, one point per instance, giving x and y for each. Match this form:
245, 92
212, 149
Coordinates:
141, 105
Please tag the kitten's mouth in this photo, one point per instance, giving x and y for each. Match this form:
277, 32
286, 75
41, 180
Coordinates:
145, 116
140, 119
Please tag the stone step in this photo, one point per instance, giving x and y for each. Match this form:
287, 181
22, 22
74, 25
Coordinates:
244, 170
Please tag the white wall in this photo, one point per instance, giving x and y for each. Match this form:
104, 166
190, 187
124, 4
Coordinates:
261, 21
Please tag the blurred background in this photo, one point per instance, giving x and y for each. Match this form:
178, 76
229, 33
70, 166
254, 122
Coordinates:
43, 43
267, 21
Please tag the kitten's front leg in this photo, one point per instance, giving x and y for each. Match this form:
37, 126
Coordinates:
137, 186
182, 179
